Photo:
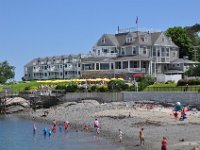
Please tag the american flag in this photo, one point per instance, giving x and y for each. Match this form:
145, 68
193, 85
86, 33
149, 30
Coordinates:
136, 20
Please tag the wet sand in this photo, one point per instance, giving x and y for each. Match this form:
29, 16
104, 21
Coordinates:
157, 121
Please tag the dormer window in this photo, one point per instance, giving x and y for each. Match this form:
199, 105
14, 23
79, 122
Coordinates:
129, 39
163, 39
103, 40
144, 38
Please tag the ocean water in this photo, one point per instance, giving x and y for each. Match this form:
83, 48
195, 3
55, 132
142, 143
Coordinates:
17, 134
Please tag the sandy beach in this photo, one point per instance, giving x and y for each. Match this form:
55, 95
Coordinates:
130, 117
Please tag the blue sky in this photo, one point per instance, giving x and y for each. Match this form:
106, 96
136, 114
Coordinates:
39, 28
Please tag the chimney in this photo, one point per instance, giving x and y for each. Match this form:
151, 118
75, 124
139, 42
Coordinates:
118, 30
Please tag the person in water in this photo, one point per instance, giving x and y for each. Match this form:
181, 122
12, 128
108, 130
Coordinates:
45, 131
54, 126
141, 136
34, 128
120, 135
66, 125
50, 132
164, 143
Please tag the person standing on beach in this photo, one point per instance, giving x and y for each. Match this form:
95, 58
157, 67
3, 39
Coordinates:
141, 136
120, 135
164, 143
97, 126
96, 123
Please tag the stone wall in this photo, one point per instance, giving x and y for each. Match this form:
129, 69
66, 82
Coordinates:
172, 97
101, 97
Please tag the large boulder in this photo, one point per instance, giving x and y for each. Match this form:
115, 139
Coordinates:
16, 104
18, 101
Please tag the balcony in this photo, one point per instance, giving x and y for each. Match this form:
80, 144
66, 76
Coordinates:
100, 55
72, 69
130, 70
161, 59
136, 70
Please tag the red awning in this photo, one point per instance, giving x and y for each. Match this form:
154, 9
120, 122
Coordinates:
137, 75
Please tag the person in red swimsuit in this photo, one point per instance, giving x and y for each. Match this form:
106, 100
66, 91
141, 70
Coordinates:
66, 125
164, 143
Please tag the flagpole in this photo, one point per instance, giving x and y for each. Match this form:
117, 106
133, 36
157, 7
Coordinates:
138, 41
137, 23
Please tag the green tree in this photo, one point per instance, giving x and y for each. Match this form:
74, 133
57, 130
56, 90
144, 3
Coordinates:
6, 72
180, 38
117, 85
192, 32
193, 71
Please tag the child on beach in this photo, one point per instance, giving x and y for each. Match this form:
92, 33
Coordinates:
141, 136
164, 143
98, 130
96, 123
96, 126
85, 128
66, 125
120, 135
176, 115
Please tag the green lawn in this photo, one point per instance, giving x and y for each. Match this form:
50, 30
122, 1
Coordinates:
30, 85
171, 87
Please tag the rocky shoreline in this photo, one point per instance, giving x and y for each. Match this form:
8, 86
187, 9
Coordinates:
156, 119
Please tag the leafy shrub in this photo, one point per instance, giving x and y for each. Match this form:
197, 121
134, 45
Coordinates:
117, 85
182, 82
131, 88
93, 88
190, 82
71, 88
28, 88
81, 89
61, 87
169, 82
141, 86
145, 81
102, 89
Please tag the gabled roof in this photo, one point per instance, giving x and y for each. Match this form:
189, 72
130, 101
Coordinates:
137, 38
30, 63
154, 36
113, 39
157, 40
121, 37
110, 40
